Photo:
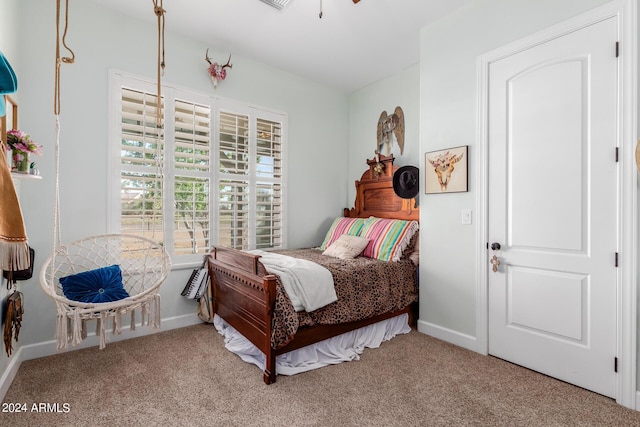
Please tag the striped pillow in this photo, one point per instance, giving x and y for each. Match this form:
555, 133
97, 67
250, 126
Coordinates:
387, 237
340, 226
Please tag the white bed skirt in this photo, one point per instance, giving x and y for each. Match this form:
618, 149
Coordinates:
343, 348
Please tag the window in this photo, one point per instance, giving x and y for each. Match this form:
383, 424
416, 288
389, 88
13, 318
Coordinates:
213, 175
250, 184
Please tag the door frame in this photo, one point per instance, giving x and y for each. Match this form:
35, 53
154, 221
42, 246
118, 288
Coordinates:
625, 11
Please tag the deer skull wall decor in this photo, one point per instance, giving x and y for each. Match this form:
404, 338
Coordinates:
217, 71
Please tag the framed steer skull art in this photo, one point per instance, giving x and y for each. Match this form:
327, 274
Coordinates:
446, 171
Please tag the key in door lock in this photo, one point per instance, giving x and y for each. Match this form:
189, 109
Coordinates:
495, 262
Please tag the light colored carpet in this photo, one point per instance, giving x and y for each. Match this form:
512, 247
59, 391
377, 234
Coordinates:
185, 377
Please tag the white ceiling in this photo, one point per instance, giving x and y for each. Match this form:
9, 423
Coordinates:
352, 46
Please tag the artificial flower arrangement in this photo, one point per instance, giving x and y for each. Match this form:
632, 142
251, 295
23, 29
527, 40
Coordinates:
21, 146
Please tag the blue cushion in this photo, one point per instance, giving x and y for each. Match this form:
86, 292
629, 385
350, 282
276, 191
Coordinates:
95, 286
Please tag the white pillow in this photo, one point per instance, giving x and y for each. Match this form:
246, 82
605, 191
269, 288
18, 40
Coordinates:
346, 247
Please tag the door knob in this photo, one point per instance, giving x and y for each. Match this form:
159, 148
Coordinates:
495, 262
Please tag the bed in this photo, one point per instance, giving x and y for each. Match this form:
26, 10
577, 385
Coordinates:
251, 300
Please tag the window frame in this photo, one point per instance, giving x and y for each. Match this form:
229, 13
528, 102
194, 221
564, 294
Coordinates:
170, 93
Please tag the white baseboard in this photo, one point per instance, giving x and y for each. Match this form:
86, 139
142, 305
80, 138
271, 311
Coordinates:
10, 373
48, 348
637, 401
449, 335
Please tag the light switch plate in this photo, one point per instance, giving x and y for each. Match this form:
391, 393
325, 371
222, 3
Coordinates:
466, 216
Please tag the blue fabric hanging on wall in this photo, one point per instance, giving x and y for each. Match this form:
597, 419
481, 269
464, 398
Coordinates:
8, 81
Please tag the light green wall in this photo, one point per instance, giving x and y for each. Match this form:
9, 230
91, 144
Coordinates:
103, 40
8, 22
448, 118
365, 107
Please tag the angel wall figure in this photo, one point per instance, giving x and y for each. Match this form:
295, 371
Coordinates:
390, 130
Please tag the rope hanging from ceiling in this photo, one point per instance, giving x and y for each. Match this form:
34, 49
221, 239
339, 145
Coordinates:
59, 59
56, 111
142, 263
159, 12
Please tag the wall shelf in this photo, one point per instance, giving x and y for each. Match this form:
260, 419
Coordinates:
16, 175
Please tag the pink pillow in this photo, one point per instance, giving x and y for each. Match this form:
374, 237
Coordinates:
340, 226
387, 237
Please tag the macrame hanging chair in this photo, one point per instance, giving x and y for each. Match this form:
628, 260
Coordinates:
143, 265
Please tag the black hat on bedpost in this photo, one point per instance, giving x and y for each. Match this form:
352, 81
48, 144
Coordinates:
405, 182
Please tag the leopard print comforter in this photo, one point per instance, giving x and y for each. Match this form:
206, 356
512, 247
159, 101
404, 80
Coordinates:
365, 287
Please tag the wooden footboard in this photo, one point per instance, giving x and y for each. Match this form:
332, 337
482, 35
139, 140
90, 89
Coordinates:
244, 296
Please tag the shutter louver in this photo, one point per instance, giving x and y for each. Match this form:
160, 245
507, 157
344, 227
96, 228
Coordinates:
192, 137
234, 143
141, 202
268, 215
269, 149
141, 181
233, 211
268, 191
192, 159
191, 223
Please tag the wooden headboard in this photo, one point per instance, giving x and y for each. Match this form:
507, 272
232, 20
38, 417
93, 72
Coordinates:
375, 195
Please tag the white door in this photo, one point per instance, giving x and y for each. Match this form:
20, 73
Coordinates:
553, 207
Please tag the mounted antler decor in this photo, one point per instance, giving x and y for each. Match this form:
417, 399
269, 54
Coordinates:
216, 71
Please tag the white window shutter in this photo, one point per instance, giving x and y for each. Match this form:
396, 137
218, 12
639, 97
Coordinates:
215, 174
